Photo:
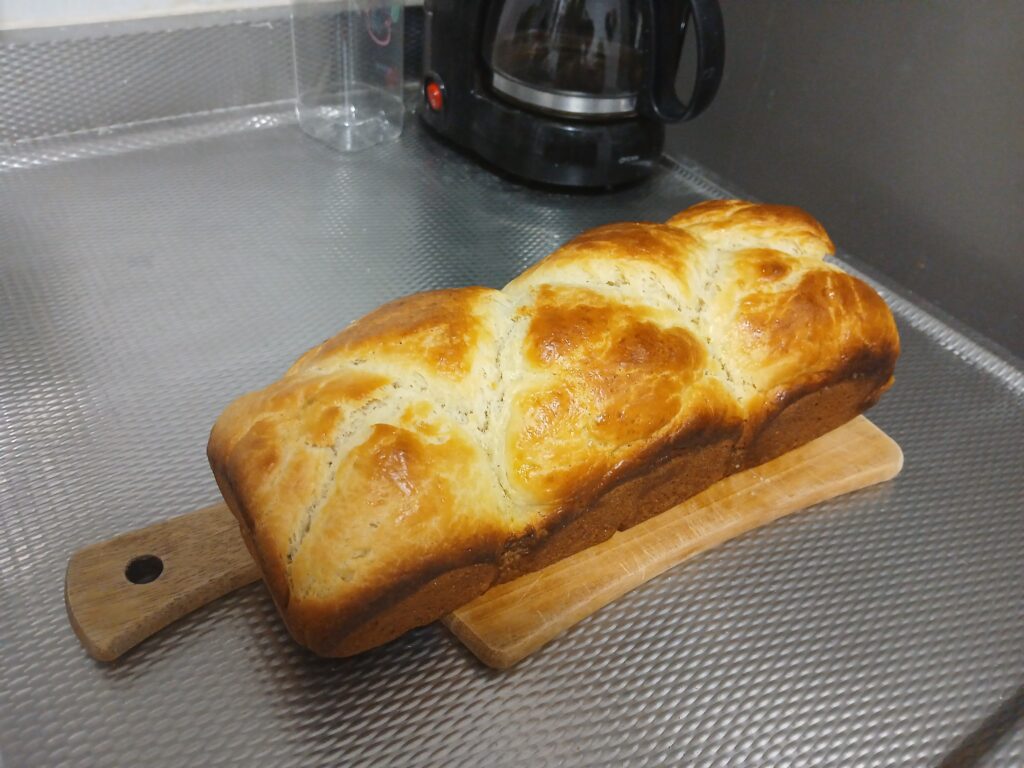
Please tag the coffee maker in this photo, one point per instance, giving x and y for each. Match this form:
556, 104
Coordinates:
572, 93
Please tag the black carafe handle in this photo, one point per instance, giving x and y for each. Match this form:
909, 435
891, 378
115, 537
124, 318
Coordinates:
666, 23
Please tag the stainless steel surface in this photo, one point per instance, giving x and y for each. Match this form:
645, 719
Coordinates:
73, 79
564, 103
141, 291
901, 122
94, 77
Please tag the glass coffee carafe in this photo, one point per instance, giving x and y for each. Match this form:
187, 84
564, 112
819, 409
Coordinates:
599, 59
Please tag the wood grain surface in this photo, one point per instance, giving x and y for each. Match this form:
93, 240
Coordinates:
202, 557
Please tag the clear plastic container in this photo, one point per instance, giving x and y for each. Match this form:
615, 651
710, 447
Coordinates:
348, 71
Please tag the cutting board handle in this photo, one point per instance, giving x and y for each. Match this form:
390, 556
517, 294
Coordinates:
119, 592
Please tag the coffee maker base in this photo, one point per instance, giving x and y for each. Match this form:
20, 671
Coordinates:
548, 150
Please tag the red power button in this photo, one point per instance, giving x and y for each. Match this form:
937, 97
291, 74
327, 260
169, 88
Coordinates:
435, 96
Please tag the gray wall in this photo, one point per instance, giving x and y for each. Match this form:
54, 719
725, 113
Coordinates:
899, 124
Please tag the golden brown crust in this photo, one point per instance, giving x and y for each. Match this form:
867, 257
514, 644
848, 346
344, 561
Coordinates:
602, 381
752, 225
441, 329
633, 246
453, 439
677, 470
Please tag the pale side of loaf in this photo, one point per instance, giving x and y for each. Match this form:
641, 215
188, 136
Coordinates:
453, 439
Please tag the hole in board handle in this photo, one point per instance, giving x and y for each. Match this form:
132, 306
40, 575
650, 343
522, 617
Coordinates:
144, 569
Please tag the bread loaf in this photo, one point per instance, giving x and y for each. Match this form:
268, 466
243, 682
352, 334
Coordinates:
457, 438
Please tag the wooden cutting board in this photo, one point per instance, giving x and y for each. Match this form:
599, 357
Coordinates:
121, 591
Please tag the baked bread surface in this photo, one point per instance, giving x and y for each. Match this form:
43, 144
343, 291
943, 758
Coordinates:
453, 439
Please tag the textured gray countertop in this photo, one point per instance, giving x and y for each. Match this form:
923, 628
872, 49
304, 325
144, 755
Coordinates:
141, 290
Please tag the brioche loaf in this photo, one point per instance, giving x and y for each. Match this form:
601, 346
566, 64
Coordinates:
454, 439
